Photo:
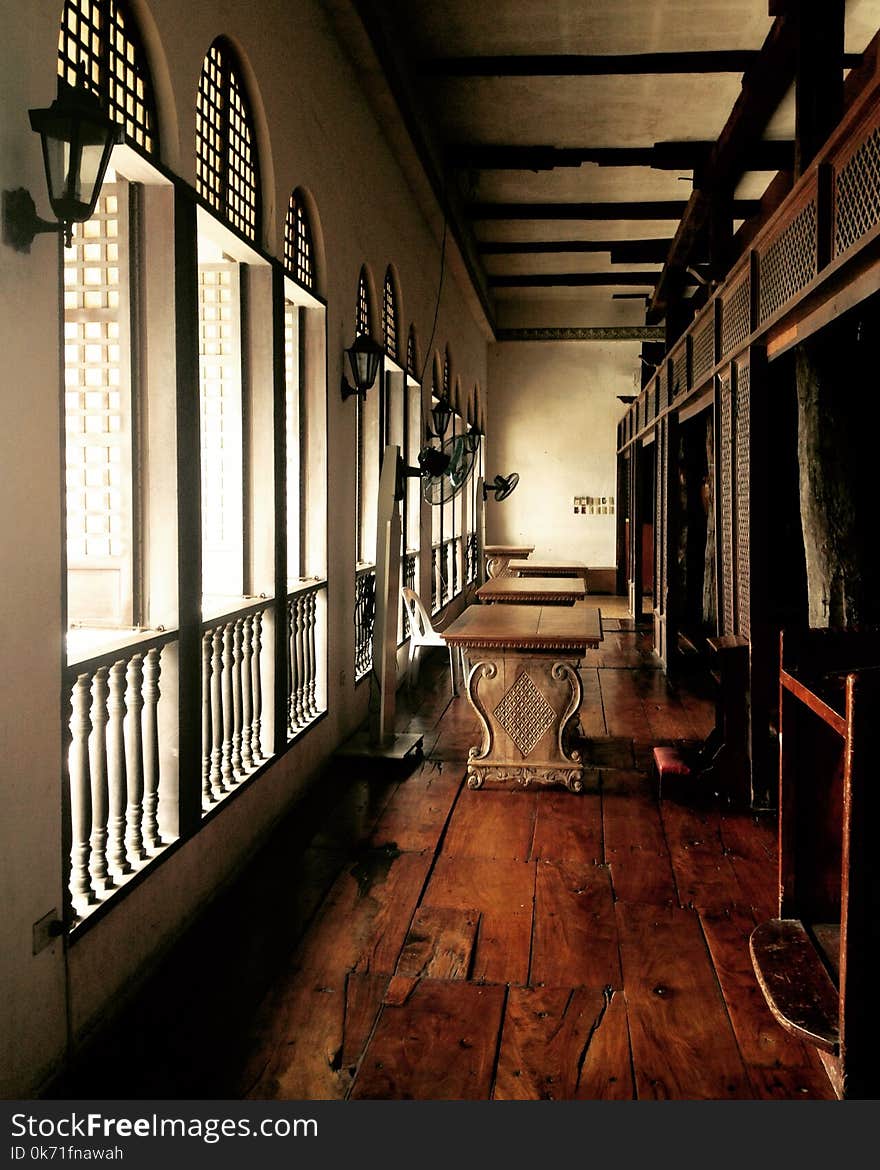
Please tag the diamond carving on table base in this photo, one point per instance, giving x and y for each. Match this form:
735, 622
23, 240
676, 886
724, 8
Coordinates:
524, 713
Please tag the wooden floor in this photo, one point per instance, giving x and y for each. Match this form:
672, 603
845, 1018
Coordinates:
405, 937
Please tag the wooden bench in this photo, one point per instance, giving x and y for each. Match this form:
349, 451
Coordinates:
817, 962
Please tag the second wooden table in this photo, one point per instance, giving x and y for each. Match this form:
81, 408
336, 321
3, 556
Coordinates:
533, 590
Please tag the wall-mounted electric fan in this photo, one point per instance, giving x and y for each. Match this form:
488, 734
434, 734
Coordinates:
501, 486
447, 469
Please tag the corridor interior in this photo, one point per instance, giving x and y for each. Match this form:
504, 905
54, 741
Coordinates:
402, 936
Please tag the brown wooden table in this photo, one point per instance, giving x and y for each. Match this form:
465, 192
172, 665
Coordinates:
498, 556
533, 590
524, 685
543, 568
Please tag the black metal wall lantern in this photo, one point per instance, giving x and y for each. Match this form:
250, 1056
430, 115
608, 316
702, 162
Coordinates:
78, 137
363, 358
472, 437
441, 414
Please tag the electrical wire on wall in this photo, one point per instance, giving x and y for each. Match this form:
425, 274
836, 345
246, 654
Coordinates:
437, 302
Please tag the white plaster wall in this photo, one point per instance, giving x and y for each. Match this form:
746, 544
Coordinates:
317, 132
31, 987
553, 419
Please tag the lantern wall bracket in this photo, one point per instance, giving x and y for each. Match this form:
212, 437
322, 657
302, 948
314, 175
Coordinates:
21, 224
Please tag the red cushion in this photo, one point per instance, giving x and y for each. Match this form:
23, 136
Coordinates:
669, 762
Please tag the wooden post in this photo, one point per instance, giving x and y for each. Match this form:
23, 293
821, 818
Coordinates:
818, 77
189, 513
837, 419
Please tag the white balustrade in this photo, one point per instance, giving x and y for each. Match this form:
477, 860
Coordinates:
231, 702
113, 765
302, 658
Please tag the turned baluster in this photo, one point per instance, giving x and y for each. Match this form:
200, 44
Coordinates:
80, 792
247, 754
228, 670
116, 786
311, 704
291, 665
207, 733
134, 760
216, 773
151, 749
298, 706
256, 686
236, 697
98, 762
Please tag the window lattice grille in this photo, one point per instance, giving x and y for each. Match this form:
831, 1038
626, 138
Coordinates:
363, 307
220, 383
789, 263
298, 253
97, 412
703, 352
743, 541
389, 317
735, 323
411, 357
857, 194
100, 37
446, 365
226, 169
292, 427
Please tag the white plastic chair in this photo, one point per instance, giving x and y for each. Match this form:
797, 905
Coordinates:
421, 634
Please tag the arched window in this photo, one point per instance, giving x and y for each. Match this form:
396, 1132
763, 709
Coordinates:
362, 313
412, 356
298, 250
389, 317
227, 173
447, 368
99, 41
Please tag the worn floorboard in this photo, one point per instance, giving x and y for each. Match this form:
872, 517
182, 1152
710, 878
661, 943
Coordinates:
568, 826
575, 935
439, 1044
682, 1040
564, 1044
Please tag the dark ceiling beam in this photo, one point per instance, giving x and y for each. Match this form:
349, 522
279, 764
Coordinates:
644, 209
662, 156
646, 333
772, 155
584, 65
580, 280
621, 251
588, 65
763, 89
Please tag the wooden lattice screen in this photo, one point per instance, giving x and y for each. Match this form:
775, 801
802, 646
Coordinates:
857, 194
742, 481
726, 532
789, 262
